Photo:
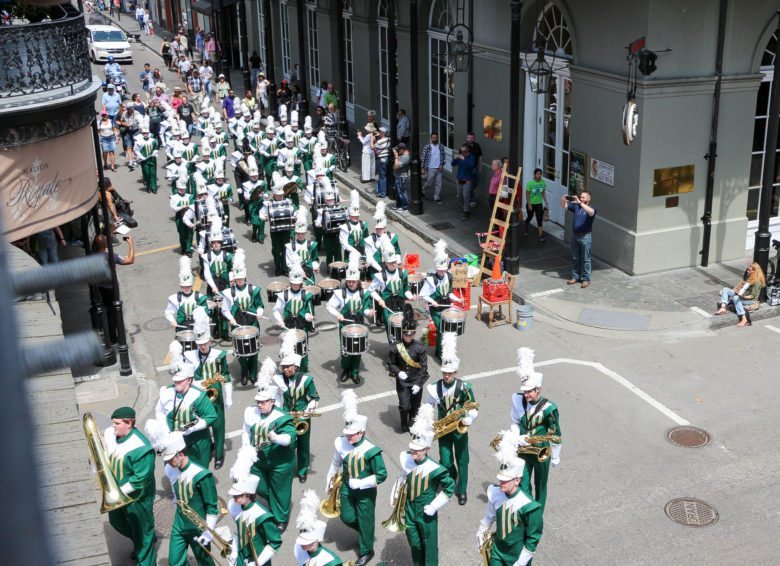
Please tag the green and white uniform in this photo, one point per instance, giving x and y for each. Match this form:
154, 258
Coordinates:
183, 208
179, 409
519, 525
330, 239
243, 304
352, 305
352, 236
534, 420
193, 485
132, 462
427, 484
279, 238
325, 164
268, 150
393, 288
321, 557
216, 270
438, 289
453, 447
181, 305
256, 524
292, 307
297, 394
206, 170
307, 251
256, 195
146, 154
362, 461
374, 249
309, 146
276, 460
223, 193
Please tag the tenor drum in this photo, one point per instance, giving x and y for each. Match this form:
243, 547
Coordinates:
338, 270
365, 272
328, 287
281, 216
354, 339
316, 293
333, 218
416, 281
301, 341
453, 320
246, 341
274, 288
396, 322
228, 240
187, 340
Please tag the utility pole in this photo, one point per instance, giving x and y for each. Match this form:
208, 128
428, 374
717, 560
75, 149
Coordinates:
302, 67
415, 185
512, 247
243, 42
392, 94
269, 54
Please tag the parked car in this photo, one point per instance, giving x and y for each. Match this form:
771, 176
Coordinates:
105, 41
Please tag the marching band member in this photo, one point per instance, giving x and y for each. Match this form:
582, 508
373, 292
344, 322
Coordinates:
243, 306
308, 145
272, 433
189, 151
281, 237
377, 239
437, 289
268, 148
221, 191
216, 262
390, 288
177, 169
255, 193
245, 160
450, 394
182, 204
428, 488
145, 148
289, 153
350, 305
363, 469
518, 518
330, 238
308, 549
324, 162
205, 167
217, 148
294, 307
353, 233
288, 168
409, 366
131, 457
183, 303
211, 364
305, 249
184, 407
533, 415
298, 394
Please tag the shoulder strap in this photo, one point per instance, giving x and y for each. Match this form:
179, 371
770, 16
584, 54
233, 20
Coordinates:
178, 297
458, 387
440, 389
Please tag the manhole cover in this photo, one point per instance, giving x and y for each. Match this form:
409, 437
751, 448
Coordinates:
164, 510
158, 323
691, 512
688, 436
441, 225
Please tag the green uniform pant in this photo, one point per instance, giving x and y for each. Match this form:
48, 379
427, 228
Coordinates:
357, 512
436, 317
540, 472
199, 447
182, 538
218, 429
258, 230
185, 236
136, 521
305, 363
332, 247
318, 232
423, 536
454, 455
351, 364
278, 241
149, 173
276, 488
302, 452
248, 367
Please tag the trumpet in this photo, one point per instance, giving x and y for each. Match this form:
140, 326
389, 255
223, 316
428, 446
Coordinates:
225, 547
208, 384
453, 421
542, 453
301, 426
485, 547
113, 497
396, 522
330, 507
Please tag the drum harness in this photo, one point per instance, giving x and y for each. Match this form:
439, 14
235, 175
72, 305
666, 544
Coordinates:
243, 317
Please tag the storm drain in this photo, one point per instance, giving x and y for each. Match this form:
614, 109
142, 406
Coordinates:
688, 436
163, 510
441, 225
691, 512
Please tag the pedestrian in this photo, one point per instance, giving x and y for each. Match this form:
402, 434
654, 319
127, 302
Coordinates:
223, 88
495, 181
146, 77
401, 162
284, 94
536, 202
368, 160
100, 246
139, 15
186, 112
581, 239
228, 104
466, 163
381, 147
321, 93
403, 128
249, 101
195, 88
261, 92
107, 140
129, 126
111, 102
200, 43
176, 99
255, 63
47, 245
331, 96
433, 167
206, 74
476, 151
211, 48
184, 66
184, 43
148, 23
167, 53
745, 295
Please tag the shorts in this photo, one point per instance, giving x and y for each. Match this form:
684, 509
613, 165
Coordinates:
108, 144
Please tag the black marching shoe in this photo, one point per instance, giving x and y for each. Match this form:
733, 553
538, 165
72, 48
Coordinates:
462, 499
343, 376
356, 379
365, 559
282, 527
219, 463
302, 478
243, 380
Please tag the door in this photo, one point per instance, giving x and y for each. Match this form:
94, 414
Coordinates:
552, 139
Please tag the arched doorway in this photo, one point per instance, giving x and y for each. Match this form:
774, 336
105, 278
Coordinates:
546, 134
441, 78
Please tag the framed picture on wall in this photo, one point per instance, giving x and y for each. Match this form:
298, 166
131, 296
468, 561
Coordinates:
578, 172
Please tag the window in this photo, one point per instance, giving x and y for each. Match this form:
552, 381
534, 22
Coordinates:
349, 63
314, 54
384, 63
261, 34
284, 18
441, 79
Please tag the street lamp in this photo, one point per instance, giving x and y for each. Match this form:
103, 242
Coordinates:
459, 51
539, 71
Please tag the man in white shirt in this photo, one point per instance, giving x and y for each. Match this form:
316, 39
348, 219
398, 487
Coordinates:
433, 167
206, 74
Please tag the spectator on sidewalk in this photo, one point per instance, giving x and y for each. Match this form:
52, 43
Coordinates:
184, 44
211, 48
466, 163
195, 88
476, 151
745, 294
107, 140
255, 64
402, 160
261, 92
249, 101
536, 202
146, 78
331, 96
581, 238
160, 96
200, 43
284, 94
223, 88
381, 146
433, 167
187, 113
148, 27
47, 245
138, 105
100, 246
495, 181
184, 67
139, 15
403, 128
321, 94
228, 105
368, 161
166, 50
129, 126
177, 98
206, 75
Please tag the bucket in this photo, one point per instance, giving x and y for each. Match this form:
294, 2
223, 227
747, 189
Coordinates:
525, 318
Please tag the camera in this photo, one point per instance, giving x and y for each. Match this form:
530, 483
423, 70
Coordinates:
125, 238
568, 197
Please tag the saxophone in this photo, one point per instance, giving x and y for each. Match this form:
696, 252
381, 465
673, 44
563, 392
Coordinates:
453, 421
212, 392
542, 453
301, 426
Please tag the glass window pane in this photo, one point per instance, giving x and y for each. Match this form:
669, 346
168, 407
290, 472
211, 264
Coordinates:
759, 132
752, 204
775, 199
755, 169
548, 165
762, 102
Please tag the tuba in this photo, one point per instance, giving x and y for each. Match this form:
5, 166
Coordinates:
542, 453
208, 384
113, 497
453, 421
301, 426
330, 507
485, 547
396, 522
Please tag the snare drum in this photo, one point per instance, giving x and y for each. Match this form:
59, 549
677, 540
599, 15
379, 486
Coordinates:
246, 341
301, 341
321, 193
274, 288
354, 339
328, 287
333, 218
338, 270
281, 216
228, 240
453, 320
396, 321
316, 293
187, 340
416, 281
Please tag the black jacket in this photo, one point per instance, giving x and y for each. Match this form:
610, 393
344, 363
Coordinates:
418, 353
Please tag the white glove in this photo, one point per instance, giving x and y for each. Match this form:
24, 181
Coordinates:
415, 389
523, 441
555, 462
312, 405
480, 533
429, 510
525, 557
467, 421
438, 502
308, 317
402, 375
315, 265
233, 558
365, 483
204, 538
190, 430
272, 436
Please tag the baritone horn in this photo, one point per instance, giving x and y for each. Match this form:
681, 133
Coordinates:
301, 426
542, 453
113, 497
396, 522
485, 547
330, 507
208, 384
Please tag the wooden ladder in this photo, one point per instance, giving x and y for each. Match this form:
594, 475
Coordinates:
495, 238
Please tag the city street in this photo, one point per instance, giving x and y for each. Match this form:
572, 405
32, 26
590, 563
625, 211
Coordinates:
618, 394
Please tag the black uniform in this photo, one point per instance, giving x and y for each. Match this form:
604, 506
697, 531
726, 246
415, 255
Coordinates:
417, 372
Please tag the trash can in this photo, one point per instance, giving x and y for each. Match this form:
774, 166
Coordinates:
525, 318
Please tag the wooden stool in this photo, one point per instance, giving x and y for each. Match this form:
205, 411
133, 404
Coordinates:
510, 279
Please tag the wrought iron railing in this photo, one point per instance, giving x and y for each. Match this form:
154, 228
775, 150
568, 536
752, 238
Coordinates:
42, 57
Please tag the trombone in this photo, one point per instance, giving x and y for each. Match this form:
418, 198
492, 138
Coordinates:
225, 547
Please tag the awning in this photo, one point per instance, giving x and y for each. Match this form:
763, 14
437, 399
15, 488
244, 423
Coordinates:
203, 7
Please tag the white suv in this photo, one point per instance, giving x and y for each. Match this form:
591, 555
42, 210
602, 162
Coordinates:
108, 41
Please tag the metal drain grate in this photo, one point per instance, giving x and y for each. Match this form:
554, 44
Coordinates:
691, 512
163, 510
688, 436
157, 324
441, 225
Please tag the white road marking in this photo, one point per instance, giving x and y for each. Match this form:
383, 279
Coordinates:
545, 293
166, 367
616, 377
772, 328
701, 312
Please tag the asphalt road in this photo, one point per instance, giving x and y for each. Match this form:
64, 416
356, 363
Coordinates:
617, 398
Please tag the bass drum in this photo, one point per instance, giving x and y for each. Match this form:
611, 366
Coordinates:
354, 339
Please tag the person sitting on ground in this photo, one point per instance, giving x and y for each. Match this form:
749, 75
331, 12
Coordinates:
744, 294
